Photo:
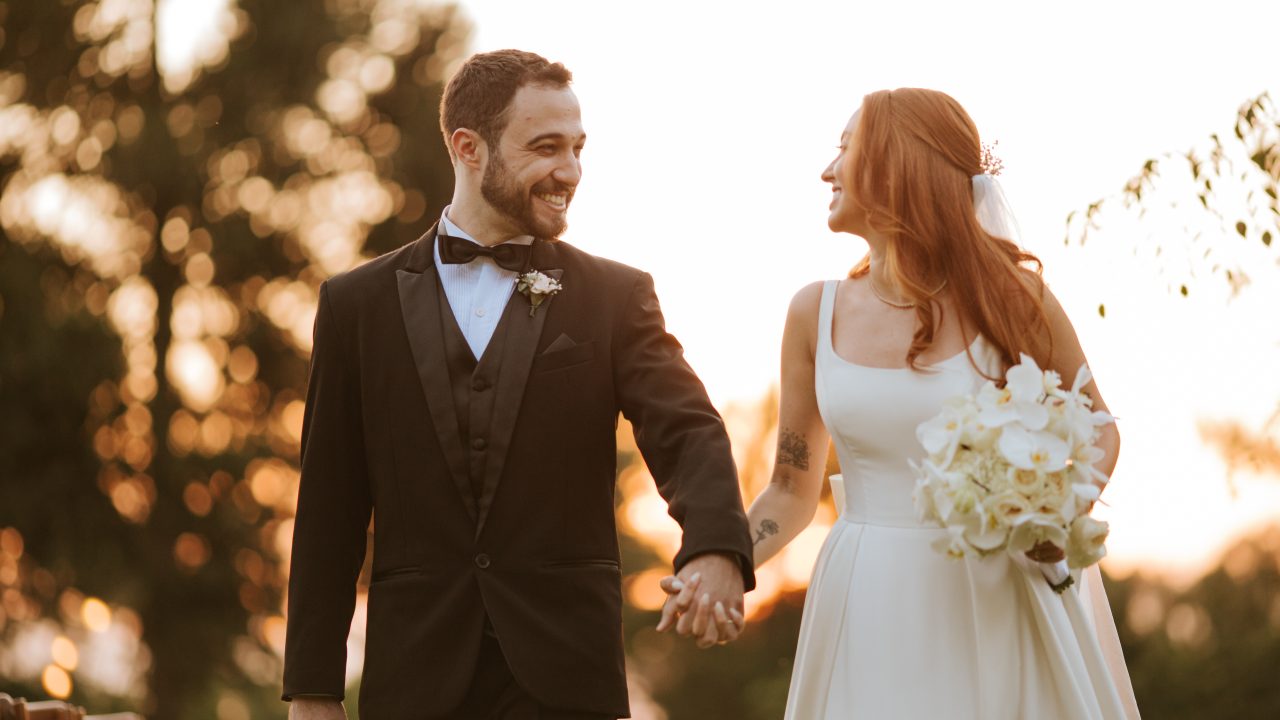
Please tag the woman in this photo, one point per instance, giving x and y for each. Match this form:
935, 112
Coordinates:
942, 302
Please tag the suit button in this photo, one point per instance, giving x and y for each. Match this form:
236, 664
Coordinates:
480, 385
479, 444
482, 561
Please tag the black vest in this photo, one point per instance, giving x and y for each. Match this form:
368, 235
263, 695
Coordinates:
472, 382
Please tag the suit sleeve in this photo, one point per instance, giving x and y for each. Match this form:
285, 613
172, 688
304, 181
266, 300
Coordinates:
334, 507
680, 434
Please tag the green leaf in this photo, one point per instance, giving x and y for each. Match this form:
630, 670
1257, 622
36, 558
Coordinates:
1266, 238
1184, 291
1102, 310
1242, 229
1272, 192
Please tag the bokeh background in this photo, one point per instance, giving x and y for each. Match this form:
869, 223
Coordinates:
178, 176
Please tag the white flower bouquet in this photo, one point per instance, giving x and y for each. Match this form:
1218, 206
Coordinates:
1013, 467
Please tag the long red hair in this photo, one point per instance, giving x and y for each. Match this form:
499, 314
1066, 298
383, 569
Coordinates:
917, 153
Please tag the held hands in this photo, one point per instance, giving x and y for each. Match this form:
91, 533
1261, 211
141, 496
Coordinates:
705, 600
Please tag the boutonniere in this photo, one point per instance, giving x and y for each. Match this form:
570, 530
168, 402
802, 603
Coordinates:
537, 287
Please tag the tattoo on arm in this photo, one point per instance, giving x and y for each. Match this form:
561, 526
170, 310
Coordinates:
767, 528
793, 449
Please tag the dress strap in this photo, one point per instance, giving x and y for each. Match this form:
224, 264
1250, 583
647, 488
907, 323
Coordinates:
826, 311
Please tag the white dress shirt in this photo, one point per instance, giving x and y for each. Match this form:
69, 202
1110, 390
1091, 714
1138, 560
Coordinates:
477, 291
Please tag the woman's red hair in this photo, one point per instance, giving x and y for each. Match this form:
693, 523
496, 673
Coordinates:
916, 154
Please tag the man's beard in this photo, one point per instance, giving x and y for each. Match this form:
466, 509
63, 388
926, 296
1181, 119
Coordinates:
501, 192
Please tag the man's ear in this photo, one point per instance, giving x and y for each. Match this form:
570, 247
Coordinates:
468, 147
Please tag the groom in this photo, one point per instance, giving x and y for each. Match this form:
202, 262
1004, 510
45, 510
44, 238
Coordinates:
464, 391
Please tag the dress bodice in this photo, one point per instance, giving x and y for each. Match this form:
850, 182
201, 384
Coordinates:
872, 414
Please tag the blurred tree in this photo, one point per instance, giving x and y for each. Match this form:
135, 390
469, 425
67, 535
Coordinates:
199, 169
1224, 194
1210, 650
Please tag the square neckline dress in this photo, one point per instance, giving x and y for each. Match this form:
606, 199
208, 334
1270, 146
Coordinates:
894, 629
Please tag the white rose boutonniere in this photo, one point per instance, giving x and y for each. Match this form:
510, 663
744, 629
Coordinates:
537, 287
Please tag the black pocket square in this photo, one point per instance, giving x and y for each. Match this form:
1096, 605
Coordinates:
564, 357
564, 342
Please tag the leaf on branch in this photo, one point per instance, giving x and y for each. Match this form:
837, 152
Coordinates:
1242, 229
1266, 238
1102, 310
1184, 291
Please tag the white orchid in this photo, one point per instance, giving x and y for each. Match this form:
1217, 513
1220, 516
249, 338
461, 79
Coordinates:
1031, 530
1085, 544
942, 434
1040, 451
1009, 468
1020, 400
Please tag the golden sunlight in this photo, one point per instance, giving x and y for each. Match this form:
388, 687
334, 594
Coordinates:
56, 682
95, 614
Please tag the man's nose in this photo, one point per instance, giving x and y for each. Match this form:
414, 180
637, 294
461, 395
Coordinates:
568, 172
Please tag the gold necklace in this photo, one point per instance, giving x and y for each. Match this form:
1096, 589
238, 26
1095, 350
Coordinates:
901, 306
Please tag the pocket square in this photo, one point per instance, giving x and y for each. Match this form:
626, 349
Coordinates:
564, 342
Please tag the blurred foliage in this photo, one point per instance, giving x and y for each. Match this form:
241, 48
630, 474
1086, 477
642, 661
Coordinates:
1210, 650
178, 178
1224, 194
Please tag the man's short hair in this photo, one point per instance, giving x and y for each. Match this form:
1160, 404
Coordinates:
478, 96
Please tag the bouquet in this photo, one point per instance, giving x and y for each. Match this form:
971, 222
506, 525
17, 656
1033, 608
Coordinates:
1012, 467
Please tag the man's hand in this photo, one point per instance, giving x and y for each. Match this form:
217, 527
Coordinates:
705, 600
316, 708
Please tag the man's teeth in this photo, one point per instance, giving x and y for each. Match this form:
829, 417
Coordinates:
557, 200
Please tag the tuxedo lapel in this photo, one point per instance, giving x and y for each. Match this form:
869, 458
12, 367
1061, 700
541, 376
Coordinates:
422, 311
520, 343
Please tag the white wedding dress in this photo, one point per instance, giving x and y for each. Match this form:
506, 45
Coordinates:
893, 629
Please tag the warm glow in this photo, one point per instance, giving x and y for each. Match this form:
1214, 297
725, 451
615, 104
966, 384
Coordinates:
11, 542
292, 419
232, 707
768, 585
191, 34
274, 483
1170, 507
96, 614
644, 592
193, 372
191, 551
56, 682
646, 513
129, 497
273, 633
65, 653
197, 499
800, 554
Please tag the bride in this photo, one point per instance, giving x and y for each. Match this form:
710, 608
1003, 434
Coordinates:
944, 301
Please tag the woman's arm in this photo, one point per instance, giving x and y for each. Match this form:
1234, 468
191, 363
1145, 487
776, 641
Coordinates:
1068, 356
787, 505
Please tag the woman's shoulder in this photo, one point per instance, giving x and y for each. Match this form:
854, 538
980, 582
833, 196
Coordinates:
807, 301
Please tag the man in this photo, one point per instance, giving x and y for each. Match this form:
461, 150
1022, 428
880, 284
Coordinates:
465, 390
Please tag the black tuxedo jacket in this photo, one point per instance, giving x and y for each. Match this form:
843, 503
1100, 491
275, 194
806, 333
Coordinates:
537, 551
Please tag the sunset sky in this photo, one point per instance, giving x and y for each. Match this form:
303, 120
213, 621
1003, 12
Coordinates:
709, 124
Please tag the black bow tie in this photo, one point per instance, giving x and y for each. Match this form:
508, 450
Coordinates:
458, 251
